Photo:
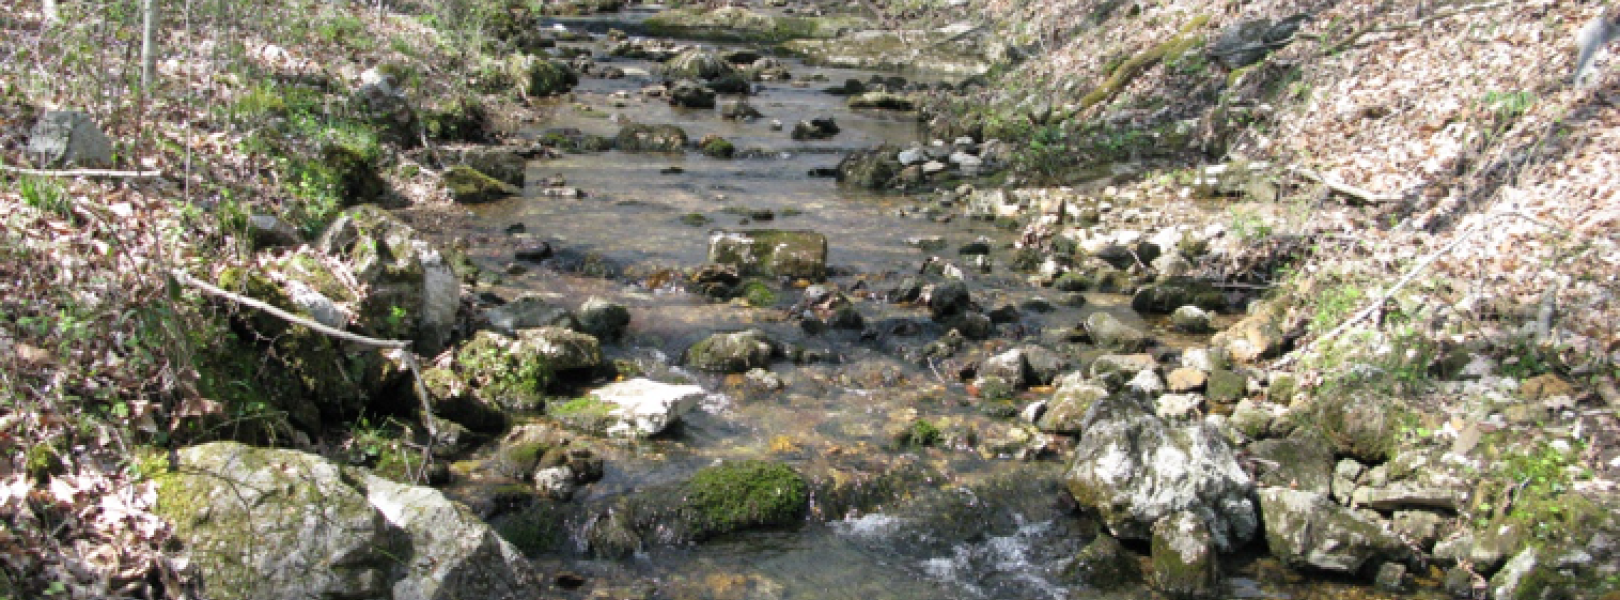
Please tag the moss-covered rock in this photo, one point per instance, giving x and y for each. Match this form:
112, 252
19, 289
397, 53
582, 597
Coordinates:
1166, 296
471, 186
637, 137
882, 100
508, 379
717, 147
1184, 559
696, 63
352, 168
1362, 426
770, 252
411, 291
872, 169
1105, 564
732, 352
735, 496
1226, 386
462, 118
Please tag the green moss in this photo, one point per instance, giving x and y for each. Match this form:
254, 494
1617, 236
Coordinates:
587, 414
461, 119
694, 220
470, 186
536, 530
739, 495
520, 460
1136, 65
921, 433
502, 378
757, 293
718, 148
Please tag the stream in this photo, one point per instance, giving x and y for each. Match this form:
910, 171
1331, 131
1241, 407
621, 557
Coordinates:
959, 520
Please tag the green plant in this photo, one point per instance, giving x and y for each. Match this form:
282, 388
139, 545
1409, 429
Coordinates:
45, 195
1248, 226
1508, 106
921, 433
1334, 304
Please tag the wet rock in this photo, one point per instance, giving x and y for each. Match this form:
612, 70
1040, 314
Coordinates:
1168, 295
469, 186
528, 312
718, 147
535, 253
1009, 365
604, 319
642, 407
873, 168
1108, 332
764, 380
948, 299
1134, 470
1305, 465
771, 252
687, 93
268, 231
244, 516
562, 349
1113, 370
882, 100
69, 138
1105, 564
1305, 529
637, 137
819, 128
732, 352
697, 64
1044, 365
1185, 565
972, 324
1072, 282
1191, 319
739, 110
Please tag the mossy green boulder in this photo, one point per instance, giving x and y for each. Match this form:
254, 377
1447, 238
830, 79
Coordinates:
471, 186
502, 374
771, 252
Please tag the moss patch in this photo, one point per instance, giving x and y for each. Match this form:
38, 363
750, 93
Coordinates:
502, 378
470, 186
741, 495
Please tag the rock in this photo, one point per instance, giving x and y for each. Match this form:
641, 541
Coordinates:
882, 100
873, 168
1185, 380
555, 483
313, 303
1134, 470
697, 64
506, 165
386, 108
535, 76
455, 400
1105, 564
528, 312
1177, 407
1363, 427
911, 156
1345, 474
1226, 387
819, 128
1066, 411
642, 407
1391, 577
949, 299
1044, 365
1145, 383
468, 186
1294, 464
1184, 559
245, 517
1170, 294
770, 252
1305, 529
1253, 419
563, 349
739, 110
1528, 576
1009, 365
1113, 370
1191, 319
763, 380
1108, 332
973, 325
1495, 543
1421, 527
1403, 494
637, 137
1257, 336
718, 147
1545, 386
269, 231
603, 319
502, 375
411, 291
732, 352
68, 138
1172, 265
1242, 44
687, 93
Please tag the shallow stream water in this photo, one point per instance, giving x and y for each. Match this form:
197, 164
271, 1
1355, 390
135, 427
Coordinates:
945, 522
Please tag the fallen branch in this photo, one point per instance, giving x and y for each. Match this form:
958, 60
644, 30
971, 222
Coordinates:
1342, 188
82, 173
1354, 38
400, 348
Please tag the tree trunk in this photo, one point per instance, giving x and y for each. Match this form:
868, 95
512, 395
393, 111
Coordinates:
148, 46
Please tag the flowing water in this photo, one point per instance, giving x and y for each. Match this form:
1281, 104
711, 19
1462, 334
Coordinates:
948, 522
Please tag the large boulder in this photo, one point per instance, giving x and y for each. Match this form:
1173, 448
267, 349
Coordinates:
411, 291
69, 138
1303, 464
688, 93
1257, 336
562, 349
1066, 411
1108, 332
528, 312
279, 524
771, 252
1307, 530
502, 374
732, 352
819, 128
604, 319
1133, 470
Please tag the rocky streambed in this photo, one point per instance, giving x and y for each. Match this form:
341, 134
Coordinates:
748, 331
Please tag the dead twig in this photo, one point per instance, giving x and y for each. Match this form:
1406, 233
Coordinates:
1343, 188
82, 173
